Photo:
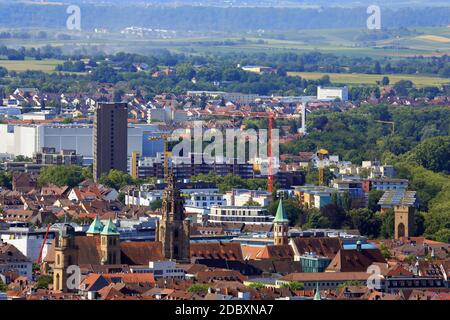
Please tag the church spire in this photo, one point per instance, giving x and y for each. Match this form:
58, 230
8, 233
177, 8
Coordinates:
174, 228
317, 295
280, 226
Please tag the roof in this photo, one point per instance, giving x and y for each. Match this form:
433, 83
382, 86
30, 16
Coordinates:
326, 276
354, 260
140, 253
10, 254
110, 229
132, 253
327, 247
398, 197
96, 226
219, 250
281, 216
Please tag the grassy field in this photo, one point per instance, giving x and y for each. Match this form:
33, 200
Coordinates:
34, 65
434, 38
422, 42
371, 79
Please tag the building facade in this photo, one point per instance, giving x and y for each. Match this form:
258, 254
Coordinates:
110, 138
240, 214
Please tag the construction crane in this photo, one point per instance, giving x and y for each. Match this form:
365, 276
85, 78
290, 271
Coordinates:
39, 258
164, 137
270, 116
321, 154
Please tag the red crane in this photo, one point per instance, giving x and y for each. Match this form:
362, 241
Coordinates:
38, 260
271, 116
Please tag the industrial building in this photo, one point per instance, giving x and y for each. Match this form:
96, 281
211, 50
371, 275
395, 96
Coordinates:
28, 139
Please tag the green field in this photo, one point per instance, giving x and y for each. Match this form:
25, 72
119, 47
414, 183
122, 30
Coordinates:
371, 79
430, 41
34, 65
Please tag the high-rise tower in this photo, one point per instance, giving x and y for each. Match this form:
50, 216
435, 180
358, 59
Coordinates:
110, 138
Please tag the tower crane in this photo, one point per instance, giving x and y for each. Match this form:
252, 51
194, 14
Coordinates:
39, 258
321, 154
164, 137
270, 116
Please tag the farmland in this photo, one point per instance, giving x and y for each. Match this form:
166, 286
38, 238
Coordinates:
34, 65
371, 79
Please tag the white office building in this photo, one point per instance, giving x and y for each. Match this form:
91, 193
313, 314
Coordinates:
239, 214
161, 270
240, 197
26, 139
332, 93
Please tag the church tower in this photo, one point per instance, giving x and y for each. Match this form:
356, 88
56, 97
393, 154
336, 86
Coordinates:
174, 228
280, 226
66, 254
404, 221
110, 244
95, 228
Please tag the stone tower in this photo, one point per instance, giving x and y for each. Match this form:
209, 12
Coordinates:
66, 255
280, 226
174, 228
110, 244
404, 221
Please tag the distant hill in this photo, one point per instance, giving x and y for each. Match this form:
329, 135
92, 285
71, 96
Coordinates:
20, 15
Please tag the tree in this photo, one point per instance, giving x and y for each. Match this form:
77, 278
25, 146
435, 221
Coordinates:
403, 87
67, 121
121, 197
335, 214
185, 71
387, 224
294, 285
44, 281
155, 205
256, 285
3, 287
385, 251
106, 74
385, 81
61, 176
116, 179
315, 220
433, 154
377, 68
21, 158
252, 203
320, 122
366, 222
443, 235
349, 283
295, 215
199, 288
373, 199
6, 180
